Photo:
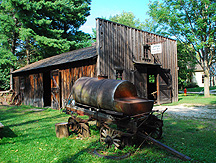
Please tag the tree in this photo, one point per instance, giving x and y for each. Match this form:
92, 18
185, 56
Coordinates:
33, 30
8, 40
191, 22
127, 18
6, 62
186, 66
52, 26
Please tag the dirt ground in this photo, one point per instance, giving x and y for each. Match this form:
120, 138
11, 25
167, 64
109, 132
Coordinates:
198, 111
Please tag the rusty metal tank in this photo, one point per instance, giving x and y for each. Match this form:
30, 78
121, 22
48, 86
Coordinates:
110, 94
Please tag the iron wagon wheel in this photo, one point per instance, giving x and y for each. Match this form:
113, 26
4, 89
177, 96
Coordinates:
109, 136
73, 124
156, 133
84, 130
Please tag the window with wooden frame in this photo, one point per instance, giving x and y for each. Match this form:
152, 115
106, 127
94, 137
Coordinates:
146, 52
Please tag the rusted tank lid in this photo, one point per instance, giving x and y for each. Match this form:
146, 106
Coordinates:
102, 77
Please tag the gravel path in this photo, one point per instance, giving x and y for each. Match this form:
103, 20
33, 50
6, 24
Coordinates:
208, 112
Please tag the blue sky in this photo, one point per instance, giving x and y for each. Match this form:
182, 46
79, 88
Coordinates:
107, 8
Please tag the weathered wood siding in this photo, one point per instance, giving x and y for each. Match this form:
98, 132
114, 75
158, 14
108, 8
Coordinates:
70, 75
33, 90
16, 85
30, 88
61, 81
122, 46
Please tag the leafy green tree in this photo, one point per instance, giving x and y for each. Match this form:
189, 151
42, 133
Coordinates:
33, 30
127, 18
191, 22
52, 26
8, 41
6, 63
186, 66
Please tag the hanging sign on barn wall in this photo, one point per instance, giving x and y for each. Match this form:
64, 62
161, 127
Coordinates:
156, 48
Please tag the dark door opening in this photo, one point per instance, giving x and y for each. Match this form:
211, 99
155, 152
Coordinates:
47, 89
152, 83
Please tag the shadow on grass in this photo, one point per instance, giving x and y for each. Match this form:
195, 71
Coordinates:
37, 120
214, 102
87, 153
6, 132
8, 112
143, 155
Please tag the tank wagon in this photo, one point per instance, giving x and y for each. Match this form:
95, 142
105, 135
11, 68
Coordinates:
120, 114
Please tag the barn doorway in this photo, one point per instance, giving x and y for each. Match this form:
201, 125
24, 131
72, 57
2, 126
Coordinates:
152, 83
47, 89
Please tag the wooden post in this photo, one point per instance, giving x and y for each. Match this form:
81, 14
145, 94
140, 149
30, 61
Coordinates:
62, 130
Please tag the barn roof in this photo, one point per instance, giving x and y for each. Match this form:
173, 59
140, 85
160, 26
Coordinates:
72, 56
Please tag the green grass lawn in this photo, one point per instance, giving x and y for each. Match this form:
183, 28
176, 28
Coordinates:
29, 136
195, 99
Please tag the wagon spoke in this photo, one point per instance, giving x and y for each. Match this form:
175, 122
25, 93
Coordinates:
116, 140
109, 137
117, 145
116, 135
104, 134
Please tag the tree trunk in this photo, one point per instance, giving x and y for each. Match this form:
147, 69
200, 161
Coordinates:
15, 36
27, 52
206, 83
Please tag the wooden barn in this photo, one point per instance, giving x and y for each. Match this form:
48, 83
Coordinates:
121, 52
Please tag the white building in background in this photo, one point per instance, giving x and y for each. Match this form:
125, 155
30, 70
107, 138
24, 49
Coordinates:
198, 76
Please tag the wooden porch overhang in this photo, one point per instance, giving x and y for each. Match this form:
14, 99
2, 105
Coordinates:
146, 63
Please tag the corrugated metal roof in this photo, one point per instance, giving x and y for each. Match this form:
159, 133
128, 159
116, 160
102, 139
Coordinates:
72, 56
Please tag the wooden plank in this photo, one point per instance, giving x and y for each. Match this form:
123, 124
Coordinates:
124, 48
41, 90
133, 43
64, 85
26, 91
115, 59
106, 52
98, 44
109, 50
55, 89
102, 62
70, 80
38, 90
112, 51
